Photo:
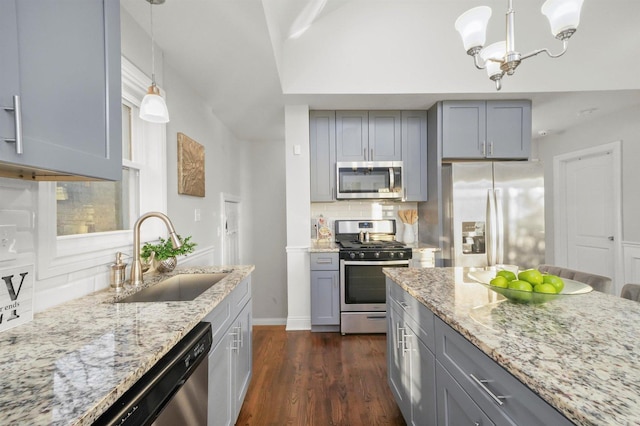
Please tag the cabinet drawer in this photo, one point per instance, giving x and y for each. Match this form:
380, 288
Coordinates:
499, 394
240, 295
424, 319
455, 407
324, 262
220, 318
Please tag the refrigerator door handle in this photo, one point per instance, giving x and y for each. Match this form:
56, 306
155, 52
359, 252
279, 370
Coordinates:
499, 226
491, 228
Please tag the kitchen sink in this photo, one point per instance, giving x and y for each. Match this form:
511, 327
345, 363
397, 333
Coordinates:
181, 287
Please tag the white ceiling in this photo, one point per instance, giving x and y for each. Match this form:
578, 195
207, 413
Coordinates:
239, 58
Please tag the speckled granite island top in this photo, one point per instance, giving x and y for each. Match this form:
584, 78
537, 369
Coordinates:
579, 353
71, 362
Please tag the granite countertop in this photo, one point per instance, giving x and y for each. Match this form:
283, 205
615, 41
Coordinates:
323, 246
579, 353
73, 361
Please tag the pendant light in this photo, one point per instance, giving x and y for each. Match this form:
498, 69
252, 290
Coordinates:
153, 107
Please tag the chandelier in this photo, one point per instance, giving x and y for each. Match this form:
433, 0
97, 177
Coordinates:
502, 57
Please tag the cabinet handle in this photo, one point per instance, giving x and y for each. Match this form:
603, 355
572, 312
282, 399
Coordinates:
237, 339
323, 261
17, 118
490, 148
404, 305
400, 334
240, 337
364, 153
406, 347
484, 148
371, 158
481, 383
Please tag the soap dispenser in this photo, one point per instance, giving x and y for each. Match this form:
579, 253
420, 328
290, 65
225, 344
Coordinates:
117, 276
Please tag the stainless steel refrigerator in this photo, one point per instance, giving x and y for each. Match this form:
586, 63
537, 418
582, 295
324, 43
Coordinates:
493, 214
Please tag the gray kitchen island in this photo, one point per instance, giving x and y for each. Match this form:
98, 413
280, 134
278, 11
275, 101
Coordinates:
460, 352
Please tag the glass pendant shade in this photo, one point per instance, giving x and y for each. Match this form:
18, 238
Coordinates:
153, 107
494, 51
563, 15
472, 26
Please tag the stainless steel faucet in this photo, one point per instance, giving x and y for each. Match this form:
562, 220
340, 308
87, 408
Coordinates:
136, 267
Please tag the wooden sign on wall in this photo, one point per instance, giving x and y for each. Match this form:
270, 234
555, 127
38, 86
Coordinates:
16, 296
190, 166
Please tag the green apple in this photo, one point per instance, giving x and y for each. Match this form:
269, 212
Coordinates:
545, 288
524, 293
499, 281
554, 280
510, 276
532, 276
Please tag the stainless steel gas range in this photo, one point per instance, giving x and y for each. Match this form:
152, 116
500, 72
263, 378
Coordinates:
366, 246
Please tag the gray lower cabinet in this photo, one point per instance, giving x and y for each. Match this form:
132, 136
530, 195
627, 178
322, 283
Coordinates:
61, 64
410, 358
414, 155
322, 153
325, 291
455, 407
230, 359
486, 129
433, 369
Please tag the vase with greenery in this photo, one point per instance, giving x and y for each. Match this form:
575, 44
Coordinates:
163, 255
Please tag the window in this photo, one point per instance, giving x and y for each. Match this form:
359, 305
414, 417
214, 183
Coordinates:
81, 225
94, 206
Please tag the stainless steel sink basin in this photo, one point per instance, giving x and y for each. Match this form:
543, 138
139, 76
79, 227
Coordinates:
182, 287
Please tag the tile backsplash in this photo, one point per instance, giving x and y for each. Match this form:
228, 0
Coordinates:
360, 210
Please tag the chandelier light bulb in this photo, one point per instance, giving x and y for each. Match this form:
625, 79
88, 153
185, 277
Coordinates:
563, 16
472, 26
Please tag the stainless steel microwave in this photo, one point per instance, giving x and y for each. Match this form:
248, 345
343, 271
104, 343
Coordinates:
369, 179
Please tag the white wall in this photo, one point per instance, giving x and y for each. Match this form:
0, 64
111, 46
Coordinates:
298, 217
623, 126
267, 235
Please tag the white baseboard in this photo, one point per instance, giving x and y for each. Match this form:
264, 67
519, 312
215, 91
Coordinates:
300, 323
269, 321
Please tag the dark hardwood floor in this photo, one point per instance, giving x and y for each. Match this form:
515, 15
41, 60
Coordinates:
304, 378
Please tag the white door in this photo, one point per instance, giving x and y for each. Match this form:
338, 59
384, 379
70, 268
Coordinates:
230, 232
589, 211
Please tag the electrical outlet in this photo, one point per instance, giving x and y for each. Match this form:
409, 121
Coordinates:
196, 215
8, 249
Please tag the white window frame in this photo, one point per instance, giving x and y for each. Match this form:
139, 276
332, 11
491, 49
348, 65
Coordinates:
72, 253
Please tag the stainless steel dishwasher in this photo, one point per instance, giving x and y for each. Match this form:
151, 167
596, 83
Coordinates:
173, 392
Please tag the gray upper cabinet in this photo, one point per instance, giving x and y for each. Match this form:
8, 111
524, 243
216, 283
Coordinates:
61, 61
352, 135
385, 141
486, 129
322, 145
368, 136
414, 160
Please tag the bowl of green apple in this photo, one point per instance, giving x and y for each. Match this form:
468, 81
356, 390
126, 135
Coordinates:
528, 286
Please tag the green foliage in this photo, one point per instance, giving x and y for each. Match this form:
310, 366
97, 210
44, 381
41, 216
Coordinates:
165, 250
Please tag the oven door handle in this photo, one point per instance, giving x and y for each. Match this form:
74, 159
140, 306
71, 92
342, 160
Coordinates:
373, 262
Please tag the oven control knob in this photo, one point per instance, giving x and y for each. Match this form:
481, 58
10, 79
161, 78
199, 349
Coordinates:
376, 255
361, 255
352, 255
401, 254
392, 255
